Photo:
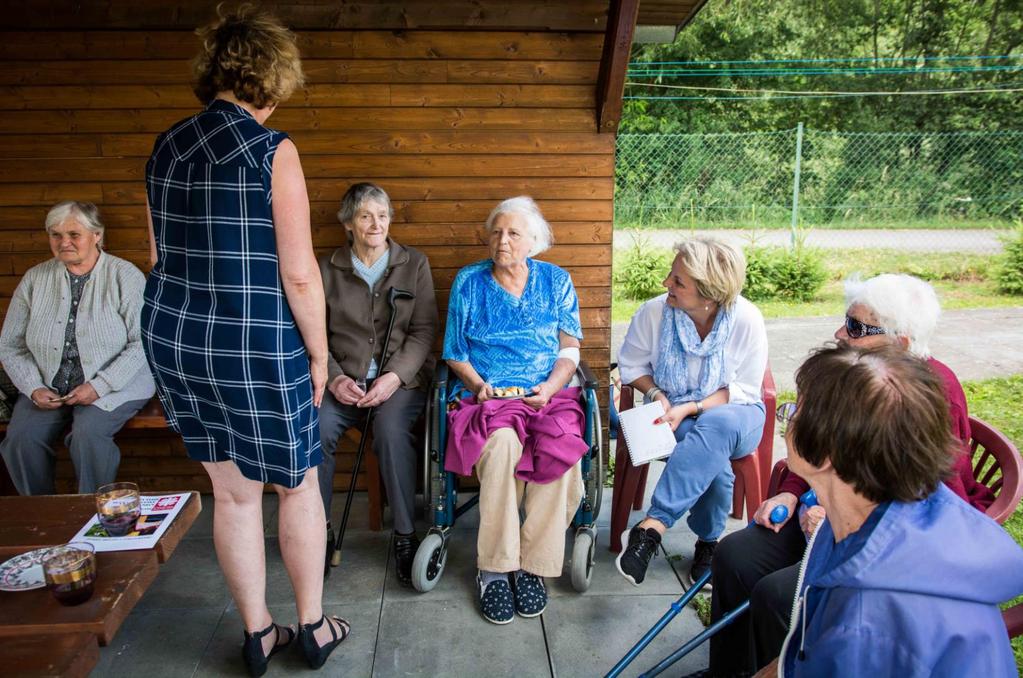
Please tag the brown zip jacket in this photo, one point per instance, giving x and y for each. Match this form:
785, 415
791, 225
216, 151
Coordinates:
357, 317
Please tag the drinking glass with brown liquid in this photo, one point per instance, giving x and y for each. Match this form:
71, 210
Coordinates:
118, 508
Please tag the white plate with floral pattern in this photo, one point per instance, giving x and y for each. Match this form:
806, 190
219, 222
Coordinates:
24, 572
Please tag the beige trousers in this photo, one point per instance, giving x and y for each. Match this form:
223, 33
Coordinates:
537, 545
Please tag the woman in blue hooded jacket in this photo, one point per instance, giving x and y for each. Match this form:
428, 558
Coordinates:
904, 577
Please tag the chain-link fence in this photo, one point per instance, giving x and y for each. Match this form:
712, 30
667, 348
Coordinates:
849, 187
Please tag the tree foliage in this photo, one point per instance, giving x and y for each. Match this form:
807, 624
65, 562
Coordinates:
903, 30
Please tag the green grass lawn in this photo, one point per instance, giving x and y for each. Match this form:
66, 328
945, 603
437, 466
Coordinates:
961, 280
999, 402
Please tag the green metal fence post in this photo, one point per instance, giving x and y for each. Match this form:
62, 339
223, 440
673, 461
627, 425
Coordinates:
795, 181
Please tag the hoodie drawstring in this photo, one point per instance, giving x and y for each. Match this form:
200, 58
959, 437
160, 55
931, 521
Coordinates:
802, 640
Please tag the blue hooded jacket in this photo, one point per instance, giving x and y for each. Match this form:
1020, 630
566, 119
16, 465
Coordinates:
916, 595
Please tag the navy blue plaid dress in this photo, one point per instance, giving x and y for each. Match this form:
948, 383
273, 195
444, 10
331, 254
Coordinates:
230, 365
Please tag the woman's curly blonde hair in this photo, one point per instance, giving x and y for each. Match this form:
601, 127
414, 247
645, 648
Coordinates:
247, 52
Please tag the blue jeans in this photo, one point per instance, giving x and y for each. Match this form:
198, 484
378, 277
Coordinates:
698, 476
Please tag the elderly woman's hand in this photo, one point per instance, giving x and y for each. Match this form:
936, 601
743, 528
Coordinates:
811, 519
383, 388
45, 399
82, 395
763, 514
542, 394
484, 393
345, 390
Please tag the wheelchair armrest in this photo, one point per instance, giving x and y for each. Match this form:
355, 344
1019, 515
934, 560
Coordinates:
586, 376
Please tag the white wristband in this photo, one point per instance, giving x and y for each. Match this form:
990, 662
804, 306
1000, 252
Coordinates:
570, 353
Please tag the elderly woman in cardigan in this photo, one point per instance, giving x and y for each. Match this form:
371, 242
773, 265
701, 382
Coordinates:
71, 344
513, 326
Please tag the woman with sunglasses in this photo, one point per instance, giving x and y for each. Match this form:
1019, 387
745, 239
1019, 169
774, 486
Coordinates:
762, 565
903, 578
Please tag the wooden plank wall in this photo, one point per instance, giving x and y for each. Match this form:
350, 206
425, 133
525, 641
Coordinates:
449, 121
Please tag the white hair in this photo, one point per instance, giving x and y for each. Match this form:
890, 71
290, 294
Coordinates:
539, 229
85, 213
905, 307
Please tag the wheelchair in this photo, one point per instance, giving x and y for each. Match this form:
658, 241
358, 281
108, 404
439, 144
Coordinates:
441, 487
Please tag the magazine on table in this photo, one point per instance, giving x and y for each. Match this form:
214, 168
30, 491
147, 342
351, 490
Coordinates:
158, 512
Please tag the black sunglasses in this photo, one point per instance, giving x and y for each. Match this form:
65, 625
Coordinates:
857, 329
784, 413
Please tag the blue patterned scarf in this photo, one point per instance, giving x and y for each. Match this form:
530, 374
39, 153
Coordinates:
679, 340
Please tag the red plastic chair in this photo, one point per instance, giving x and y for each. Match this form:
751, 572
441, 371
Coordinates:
996, 453
992, 452
751, 471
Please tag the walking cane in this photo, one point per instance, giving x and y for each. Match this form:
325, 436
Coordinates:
392, 295
779, 514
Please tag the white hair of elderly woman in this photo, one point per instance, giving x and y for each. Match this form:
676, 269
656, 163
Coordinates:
85, 213
905, 306
539, 229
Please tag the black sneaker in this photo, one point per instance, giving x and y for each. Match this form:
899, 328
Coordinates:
635, 556
530, 594
702, 558
405, 546
330, 551
497, 603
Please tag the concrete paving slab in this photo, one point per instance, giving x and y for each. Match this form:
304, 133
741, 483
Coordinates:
159, 643
590, 635
353, 659
190, 579
607, 581
359, 577
432, 637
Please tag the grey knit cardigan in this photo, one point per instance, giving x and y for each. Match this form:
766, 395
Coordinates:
108, 330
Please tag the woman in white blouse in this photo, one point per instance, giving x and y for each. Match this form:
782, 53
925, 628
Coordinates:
701, 350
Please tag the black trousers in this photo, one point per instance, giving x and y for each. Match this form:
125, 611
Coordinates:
758, 565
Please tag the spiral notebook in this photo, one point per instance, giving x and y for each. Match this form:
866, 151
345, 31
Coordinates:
647, 441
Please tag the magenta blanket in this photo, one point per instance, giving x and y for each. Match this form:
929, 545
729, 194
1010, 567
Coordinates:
552, 438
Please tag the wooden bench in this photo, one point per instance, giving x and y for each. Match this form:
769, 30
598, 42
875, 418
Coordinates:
149, 442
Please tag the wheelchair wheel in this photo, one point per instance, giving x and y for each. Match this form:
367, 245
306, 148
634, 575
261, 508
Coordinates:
582, 558
428, 566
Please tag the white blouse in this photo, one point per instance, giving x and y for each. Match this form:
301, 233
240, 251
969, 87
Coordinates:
745, 350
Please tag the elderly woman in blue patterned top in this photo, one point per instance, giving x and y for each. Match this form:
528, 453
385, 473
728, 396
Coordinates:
514, 321
71, 343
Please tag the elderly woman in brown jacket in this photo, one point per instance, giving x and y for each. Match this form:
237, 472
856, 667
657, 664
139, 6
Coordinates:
356, 280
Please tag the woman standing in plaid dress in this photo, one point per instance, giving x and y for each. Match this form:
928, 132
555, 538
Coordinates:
233, 323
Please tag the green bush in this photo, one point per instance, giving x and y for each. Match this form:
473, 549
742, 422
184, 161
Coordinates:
759, 285
1009, 273
642, 270
798, 273
795, 273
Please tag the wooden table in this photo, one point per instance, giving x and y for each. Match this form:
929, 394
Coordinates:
70, 656
34, 522
28, 523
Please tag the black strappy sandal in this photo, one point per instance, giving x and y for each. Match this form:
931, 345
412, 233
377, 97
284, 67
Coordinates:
252, 651
315, 654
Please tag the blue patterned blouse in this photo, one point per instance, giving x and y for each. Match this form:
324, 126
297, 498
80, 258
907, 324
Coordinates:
510, 341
